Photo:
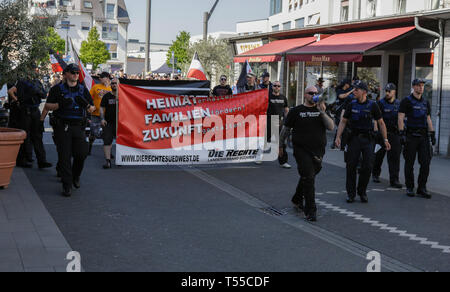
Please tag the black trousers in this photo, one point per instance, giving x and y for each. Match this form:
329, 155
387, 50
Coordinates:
417, 146
308, 171
71, 143
285, 158
31, 124
393, 158
358, 146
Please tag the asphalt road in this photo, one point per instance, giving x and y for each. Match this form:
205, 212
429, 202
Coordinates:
239, 219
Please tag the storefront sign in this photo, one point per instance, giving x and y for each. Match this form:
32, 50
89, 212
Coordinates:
244, 47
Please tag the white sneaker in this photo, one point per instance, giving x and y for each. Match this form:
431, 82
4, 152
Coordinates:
286, 166
258, 162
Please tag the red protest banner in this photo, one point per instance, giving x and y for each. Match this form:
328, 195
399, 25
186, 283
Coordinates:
159, 129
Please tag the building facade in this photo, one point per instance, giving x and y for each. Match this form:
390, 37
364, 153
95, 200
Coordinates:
379, 41
77, 17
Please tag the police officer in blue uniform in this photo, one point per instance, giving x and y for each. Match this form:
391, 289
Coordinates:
389, 107
70, 102
416, 135
28, 94
360, 114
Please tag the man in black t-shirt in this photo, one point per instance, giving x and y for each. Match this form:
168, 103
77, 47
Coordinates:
278, 106
308, 124
359, 116
108, 117
223, 89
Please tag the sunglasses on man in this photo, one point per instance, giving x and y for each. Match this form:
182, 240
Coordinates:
223, 79
277, 86
74, 72
312, 93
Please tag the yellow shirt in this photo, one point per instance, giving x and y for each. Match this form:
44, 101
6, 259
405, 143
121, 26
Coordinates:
97, 93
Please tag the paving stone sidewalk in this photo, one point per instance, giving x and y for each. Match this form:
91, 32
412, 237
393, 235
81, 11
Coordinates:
30, 240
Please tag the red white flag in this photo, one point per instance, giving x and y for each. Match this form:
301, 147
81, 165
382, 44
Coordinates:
196, 70
56, 67
84, 74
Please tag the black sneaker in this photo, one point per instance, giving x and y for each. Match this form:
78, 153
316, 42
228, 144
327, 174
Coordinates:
44, 165
364, 199
311, 217
396, 185
350, 200
410, 193
107, 165
67, 191
424, 193
376, 179
76, 183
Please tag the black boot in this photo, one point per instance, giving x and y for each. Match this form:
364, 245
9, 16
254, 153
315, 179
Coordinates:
364, 198
311, 217
410, 193
297, 201
45, 164
396, 185
67, 191
76, 183
424, 193
350, 199
108, 164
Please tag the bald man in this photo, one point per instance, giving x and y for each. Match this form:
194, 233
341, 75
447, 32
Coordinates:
308, 124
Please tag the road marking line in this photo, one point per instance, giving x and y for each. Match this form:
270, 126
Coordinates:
346, 244
386, 227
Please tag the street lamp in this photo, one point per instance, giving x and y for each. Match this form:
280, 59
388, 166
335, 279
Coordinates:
206, 17
147, 36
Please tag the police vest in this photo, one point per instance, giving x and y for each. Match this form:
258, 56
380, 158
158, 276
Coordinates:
33, 94
390, 113
71, 110
418, 117
361, 118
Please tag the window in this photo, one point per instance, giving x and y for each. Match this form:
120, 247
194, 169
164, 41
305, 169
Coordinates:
275, 28
110, 31
112, 48
65, 3
434, 4
401, 7
65, 24
299, 23
276, 6
344, 10
314, 19
371, 8
287, 25
110, 8
85, 26
87, 4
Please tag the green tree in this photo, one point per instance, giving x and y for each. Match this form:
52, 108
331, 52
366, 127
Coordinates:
94, 51
180, 46
215, 56
55, 42
23, 40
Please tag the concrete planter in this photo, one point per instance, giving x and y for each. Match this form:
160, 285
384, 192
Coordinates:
10, 141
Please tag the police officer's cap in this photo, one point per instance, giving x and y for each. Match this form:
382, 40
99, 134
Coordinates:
390, 87
71, 68
418, 81
361, 85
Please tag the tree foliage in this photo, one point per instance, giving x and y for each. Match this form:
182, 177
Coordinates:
94, 51
215, 56
55, 42
23, 40
180, 46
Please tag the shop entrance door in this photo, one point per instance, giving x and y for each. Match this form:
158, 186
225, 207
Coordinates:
394, 70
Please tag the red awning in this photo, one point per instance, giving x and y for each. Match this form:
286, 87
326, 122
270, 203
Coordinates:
273, 51
345, 47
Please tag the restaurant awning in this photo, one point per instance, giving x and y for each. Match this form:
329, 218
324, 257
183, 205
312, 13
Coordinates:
345, 47
272, 52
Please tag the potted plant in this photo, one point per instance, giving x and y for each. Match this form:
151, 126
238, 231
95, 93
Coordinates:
10, 141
